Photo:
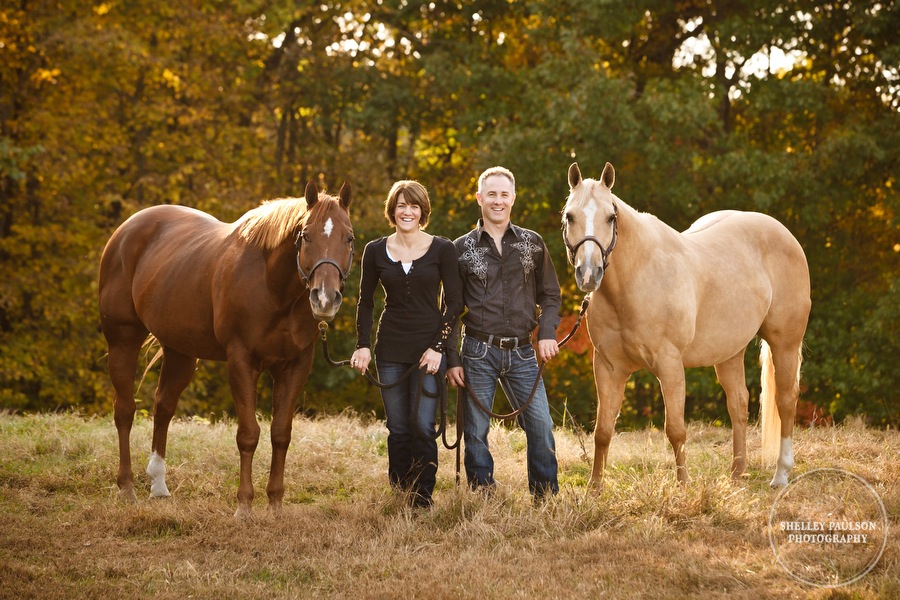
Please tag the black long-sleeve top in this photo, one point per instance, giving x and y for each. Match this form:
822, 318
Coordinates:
508, 293
415, 317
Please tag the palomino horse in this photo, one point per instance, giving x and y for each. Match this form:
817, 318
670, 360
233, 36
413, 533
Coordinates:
249, 293
672, 300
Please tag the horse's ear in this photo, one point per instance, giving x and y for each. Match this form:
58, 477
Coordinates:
344, 195
574, 175
312, 194
608, 177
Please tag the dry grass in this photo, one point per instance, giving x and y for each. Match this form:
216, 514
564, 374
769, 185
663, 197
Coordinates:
343, 534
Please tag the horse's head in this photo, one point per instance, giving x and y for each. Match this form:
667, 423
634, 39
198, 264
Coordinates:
590, 225
325, 249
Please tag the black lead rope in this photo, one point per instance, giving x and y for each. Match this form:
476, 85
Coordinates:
507, 389
441, 394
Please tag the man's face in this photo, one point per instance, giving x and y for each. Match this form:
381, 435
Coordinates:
496, 199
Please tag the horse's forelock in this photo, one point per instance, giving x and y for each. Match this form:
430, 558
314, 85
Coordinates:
323, 209
580, 195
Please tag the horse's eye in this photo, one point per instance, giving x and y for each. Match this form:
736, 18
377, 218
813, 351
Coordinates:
611, 220
303, 236
570, 218
350, 238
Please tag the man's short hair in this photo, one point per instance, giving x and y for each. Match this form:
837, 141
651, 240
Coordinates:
496, 171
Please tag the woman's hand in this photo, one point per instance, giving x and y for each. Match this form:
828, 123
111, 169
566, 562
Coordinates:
360, 360
431, 360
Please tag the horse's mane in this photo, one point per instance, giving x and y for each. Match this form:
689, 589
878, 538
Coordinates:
273, 221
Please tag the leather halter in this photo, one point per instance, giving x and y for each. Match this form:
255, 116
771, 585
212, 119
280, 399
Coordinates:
306, 277
604, 252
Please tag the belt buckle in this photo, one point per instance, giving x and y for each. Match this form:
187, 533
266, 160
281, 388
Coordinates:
514, 341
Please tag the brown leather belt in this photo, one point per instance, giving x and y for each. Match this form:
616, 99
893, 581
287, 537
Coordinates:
504, 343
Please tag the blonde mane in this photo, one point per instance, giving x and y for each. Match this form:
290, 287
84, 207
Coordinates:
273, 221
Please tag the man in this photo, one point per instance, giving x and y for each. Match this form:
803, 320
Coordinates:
509, 287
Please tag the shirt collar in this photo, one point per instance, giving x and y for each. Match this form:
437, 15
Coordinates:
514, 229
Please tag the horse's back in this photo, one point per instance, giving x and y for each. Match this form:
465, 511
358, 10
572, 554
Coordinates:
755, 264
157, 269
750, 240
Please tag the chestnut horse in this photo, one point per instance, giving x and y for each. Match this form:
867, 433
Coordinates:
249, 293
672, 300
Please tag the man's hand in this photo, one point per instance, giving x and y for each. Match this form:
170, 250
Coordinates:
547, 349
456, 376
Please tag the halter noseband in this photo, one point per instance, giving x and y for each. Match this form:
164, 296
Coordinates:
306, 277
604, 252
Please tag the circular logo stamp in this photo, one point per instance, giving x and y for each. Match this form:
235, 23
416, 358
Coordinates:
828, 528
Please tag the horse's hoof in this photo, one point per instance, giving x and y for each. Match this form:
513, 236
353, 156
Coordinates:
243, 512
159, 490
595, 486
127, 495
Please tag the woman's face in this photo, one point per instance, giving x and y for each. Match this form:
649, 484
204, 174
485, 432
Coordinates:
407, 217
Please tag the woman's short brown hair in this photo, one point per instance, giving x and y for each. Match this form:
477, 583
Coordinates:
414, 193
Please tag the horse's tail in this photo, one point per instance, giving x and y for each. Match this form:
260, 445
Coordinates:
148, 346
770, 422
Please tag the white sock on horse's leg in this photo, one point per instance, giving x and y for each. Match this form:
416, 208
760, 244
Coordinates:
156, 470
785, 463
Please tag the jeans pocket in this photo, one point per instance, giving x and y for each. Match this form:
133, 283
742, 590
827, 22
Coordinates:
525, 352
474, 349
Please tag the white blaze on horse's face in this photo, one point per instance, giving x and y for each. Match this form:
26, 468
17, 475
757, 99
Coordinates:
588, 277
329, 226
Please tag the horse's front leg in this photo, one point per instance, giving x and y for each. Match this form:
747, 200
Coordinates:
289, 380
733, 380
672, 383
243, 377
610, 385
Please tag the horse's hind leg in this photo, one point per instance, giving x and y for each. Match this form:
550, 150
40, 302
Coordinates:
175, 374
124, 347
786, 361
733, 380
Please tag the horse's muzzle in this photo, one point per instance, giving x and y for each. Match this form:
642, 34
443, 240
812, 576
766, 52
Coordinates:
588, 278
324, 305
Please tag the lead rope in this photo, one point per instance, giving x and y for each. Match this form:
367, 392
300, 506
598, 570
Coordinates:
505, 384
441, 393
441, 431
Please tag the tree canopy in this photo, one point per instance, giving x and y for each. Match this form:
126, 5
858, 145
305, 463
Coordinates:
788, 107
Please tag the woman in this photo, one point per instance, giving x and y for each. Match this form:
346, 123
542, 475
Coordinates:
412, 267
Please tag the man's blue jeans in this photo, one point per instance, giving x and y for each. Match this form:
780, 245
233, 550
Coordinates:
412, 457
485, 365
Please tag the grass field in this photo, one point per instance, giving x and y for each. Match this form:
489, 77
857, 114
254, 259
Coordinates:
343, 534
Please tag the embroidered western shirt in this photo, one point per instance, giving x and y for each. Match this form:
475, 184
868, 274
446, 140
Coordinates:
511, 292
